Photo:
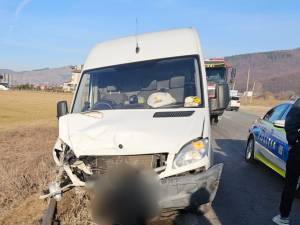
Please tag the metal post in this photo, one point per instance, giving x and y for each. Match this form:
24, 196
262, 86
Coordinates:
49, 213
247, 89
252, 92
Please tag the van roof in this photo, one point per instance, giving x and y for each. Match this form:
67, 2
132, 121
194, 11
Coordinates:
163, 44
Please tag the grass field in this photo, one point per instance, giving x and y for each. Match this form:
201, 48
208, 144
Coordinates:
258, 107
26, 108
27, 134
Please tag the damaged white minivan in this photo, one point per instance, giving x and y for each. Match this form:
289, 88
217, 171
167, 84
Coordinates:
141, 100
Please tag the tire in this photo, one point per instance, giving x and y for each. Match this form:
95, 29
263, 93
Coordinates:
250, 149
214, 120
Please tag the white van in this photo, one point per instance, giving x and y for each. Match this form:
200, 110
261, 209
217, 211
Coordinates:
141, 100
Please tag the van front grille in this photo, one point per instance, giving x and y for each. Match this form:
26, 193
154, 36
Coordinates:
103, 164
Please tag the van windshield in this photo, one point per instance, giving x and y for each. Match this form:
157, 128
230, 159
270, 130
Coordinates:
159, 83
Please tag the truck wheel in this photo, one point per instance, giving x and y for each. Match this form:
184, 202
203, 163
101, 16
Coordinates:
214, 120
250, 149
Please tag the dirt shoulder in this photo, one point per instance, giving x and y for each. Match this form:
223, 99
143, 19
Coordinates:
255, 110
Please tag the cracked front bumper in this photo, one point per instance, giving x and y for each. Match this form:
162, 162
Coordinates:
191, 190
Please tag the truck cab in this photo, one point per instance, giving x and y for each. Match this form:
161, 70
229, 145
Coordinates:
217, 71
141, 101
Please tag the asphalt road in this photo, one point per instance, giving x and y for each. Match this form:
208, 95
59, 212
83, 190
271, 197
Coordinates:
249, 194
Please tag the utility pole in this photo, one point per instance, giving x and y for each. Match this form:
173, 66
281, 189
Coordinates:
247, 89
233, 86
252, 92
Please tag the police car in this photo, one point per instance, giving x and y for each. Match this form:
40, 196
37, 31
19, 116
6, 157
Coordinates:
267, 141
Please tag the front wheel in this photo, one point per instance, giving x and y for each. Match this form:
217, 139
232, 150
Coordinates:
250, 149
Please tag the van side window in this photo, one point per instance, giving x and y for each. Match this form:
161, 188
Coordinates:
82, 104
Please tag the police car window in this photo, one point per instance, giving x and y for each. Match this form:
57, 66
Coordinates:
278, 112
286, 112
268, 115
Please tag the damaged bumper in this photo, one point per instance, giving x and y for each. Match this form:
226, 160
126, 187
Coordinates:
191, 190
179, 189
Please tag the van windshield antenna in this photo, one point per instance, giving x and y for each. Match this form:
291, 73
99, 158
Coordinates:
137, 48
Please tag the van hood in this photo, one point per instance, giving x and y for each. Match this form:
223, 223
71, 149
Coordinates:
131, 132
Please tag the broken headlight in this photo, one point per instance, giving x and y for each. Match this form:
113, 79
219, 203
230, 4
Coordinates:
192, 152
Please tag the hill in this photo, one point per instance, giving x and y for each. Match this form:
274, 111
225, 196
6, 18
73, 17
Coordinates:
54, 76
274, 71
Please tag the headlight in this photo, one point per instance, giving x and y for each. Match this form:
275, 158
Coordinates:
191, 153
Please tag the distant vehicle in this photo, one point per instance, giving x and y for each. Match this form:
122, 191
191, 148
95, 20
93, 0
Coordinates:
218, 86
4, 82
234, 104
3, 88
267, 141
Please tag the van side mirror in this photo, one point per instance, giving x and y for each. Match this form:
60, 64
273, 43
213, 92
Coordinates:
279, 123
223, 96
221, 101
62, 108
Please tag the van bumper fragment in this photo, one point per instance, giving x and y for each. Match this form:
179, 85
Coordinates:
191, 191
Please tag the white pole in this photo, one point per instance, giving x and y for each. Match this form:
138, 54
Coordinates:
247, 89
252, 91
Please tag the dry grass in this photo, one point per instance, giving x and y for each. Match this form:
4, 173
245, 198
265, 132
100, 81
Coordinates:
75, 208
258, 106
269, 102
26, 167
27, 108
27, 135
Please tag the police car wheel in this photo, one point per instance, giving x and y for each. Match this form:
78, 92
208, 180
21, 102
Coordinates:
249, 154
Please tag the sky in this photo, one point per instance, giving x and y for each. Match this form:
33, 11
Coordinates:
52, 33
